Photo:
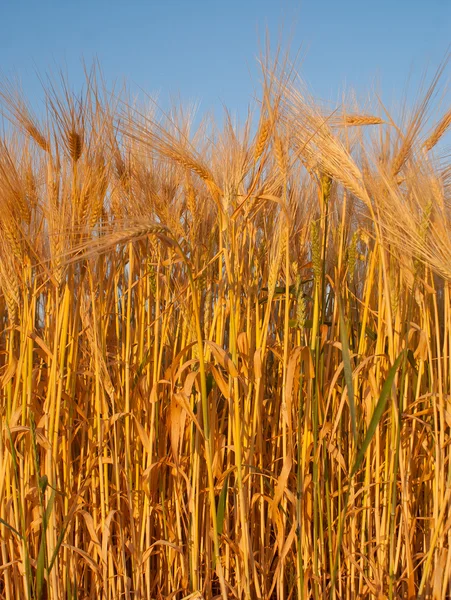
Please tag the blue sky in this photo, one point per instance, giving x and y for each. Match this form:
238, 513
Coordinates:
206, 51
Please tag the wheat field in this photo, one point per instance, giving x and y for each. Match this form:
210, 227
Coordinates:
225, 350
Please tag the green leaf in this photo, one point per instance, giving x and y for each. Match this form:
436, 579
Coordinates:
377, 414
412, 361
58, 545
347, 370
40, 567
43, 483
11, 528
222, 505
211, 383
371, 334
49, 508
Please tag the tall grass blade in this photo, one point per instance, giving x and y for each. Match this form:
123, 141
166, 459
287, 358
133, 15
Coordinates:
377, 414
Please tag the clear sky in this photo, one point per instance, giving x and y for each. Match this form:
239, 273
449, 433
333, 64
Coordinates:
206, 50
